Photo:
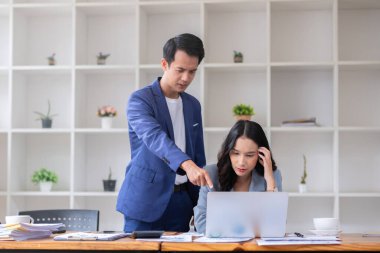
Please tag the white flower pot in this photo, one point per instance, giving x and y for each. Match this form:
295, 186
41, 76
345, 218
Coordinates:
302, 188
45, 186
107, 122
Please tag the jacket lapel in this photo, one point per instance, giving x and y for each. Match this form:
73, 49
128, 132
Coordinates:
188, 117
163, 109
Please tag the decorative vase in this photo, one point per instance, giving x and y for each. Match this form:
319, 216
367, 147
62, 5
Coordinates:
243, 117
107, 122
238, 59
51, 62
45, 186
101, 61
46, 123
109, 185
302, 188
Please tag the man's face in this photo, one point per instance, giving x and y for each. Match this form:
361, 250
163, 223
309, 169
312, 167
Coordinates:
178, 76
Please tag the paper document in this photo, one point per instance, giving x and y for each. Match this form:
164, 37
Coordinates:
85, 236
226, 239
261, 242
295, 240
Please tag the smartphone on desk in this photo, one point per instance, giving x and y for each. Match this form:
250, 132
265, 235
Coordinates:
147, 234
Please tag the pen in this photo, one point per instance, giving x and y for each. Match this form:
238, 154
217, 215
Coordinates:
298, 234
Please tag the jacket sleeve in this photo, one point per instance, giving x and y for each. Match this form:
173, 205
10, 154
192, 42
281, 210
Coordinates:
141, 118
200, 211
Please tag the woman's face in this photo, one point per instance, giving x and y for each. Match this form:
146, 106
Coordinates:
244, 156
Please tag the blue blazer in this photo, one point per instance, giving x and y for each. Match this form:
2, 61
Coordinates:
155, 159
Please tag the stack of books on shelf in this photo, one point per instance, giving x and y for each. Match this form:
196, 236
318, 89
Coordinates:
25, 231
300, 122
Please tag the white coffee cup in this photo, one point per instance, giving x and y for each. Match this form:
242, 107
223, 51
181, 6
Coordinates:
13, 219
326, 223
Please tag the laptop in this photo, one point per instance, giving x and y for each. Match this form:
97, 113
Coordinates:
246, 214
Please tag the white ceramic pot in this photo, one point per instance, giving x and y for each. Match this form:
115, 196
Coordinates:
302, 188
107, 122
45, 186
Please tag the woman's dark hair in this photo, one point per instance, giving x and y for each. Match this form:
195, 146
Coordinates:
187, 42
246, 128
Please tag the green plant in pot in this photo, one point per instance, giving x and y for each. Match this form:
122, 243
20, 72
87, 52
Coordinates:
238, 57
46, 119
45, 178
109, 184
243, 112
101, 58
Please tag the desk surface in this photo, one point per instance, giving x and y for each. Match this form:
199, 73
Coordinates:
350, 242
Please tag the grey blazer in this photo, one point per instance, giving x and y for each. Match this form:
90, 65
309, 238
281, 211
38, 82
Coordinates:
258, 184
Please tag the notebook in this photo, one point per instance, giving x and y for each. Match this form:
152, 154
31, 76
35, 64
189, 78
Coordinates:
246, 214
86, 236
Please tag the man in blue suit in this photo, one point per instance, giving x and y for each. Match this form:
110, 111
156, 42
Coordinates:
162, 180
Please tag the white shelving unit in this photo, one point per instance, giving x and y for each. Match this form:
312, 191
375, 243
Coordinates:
302, 58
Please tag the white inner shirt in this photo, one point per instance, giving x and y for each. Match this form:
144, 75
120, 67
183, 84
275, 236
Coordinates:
176, 114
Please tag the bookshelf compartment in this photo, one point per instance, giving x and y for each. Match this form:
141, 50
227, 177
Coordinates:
356, 103
3, 211
213, 143
176, 18
301, 212
238, 18
94, 154
33, 151
3, 161
359, 215
33, 35
288, 150
309, 93
32, 91
93, 34
359, 162
4, 38
302, 31
98, 89
4, 102
29, 203
109, 218
358, 33
237, 86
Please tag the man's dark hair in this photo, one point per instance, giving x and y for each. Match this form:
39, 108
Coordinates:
187, 42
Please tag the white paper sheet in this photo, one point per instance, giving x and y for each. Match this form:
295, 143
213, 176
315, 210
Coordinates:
226, 239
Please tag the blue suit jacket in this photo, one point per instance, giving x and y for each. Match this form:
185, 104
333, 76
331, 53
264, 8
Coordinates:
155, 159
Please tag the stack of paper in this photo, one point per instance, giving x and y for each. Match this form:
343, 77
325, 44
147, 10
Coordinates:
86, 236
25, 231
293, 240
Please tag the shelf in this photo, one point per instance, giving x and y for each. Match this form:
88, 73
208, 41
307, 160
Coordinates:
95, 194
176, 18
311, 195
101, 131
351, 158
255, 67
286, 129
360, 195
359, 129
248, 18
41, 194
94, 90
318, 149
106, 69
358, 36
94, 155
301, 31
40, 131
33, 151
93, 34
32, 25
41, 70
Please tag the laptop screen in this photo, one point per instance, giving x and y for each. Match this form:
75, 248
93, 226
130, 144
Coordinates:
246, 214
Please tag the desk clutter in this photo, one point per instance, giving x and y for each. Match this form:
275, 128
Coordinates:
25, 231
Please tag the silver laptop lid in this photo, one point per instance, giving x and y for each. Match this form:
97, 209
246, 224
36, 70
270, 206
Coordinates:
246, 214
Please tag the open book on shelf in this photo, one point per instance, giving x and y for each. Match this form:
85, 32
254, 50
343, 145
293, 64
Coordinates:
300, 122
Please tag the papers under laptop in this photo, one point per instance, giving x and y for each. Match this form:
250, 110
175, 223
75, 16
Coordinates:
246, 214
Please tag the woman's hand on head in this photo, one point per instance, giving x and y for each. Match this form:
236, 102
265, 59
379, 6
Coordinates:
265, 159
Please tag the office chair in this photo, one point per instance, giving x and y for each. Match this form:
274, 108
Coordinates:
74, 219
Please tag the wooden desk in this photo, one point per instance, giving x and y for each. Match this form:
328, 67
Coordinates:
48, 244
350, 242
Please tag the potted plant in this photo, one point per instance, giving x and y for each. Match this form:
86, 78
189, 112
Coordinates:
46, 119
45, 178
101, 58
109, 184
302, 186
243, 112
238, 57
51, 59
107, 113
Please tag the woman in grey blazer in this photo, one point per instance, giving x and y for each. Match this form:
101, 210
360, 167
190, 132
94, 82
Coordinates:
245, 163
